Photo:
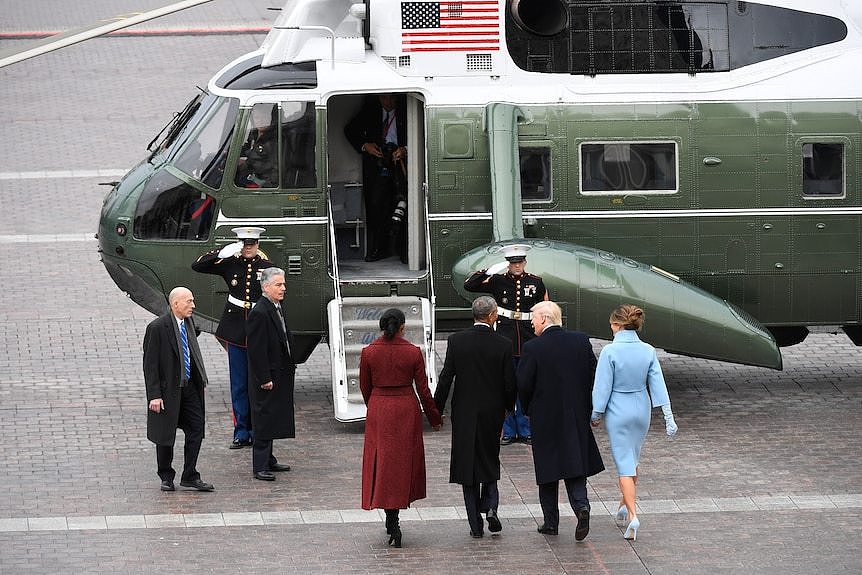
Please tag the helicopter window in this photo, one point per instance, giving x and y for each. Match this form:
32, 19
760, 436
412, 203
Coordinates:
170, 209
614, 167
535, 174
258, 165
203, 156
297, 145
823, 170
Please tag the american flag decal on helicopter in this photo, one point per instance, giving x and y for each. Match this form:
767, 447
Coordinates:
450, 26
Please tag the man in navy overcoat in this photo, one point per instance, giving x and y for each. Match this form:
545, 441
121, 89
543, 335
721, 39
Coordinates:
555, 379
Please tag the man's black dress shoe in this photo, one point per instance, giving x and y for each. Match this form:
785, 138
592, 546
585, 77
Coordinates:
240, 443
279, 467
545, 530
264, 476
583, 527
168, 485
198, 484
478, 535
494, 525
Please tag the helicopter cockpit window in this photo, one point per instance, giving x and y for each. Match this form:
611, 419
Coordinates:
170, 209
279, 140
297, 145
257, 166
823, 170
628, 167
203, 156
535, 174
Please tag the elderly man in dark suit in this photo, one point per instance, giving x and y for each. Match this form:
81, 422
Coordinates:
271, 370
555, 379
480, 362
175, 378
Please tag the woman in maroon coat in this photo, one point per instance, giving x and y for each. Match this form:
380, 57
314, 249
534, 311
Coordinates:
393, 462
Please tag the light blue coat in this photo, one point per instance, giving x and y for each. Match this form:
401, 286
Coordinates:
627, 367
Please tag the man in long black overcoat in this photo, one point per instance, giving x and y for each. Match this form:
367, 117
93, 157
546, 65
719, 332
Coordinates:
271, 371
555, 380
480, 362
175, 378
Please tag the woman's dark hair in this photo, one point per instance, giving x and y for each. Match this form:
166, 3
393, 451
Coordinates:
391, 321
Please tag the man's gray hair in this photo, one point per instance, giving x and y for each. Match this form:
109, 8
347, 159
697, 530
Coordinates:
269, 273
483, 306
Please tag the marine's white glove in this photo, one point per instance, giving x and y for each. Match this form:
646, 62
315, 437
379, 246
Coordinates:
497, 268
230, 250
669, 423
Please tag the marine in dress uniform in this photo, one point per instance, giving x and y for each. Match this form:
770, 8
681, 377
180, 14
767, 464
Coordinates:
240, 265
515, 292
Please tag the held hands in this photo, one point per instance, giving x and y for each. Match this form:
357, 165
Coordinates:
267, 386
595, 419
669, 423
437, 427
497, 268
230, 250
156, 405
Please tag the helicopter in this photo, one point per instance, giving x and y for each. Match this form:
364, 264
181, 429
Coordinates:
696, 158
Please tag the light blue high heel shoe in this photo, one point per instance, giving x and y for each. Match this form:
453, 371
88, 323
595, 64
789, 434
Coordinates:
632, 530
622, 513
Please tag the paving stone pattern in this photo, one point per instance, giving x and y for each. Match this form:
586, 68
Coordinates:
763, 477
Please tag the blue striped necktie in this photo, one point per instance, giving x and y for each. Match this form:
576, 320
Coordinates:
186, 359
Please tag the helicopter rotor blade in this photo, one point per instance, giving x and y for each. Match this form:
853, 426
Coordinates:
100, 28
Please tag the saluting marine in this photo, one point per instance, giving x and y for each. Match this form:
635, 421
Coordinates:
515, 292
240, 264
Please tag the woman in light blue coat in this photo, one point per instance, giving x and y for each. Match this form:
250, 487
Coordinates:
627, 367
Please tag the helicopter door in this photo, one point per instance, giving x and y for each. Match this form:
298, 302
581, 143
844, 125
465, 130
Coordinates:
376, 199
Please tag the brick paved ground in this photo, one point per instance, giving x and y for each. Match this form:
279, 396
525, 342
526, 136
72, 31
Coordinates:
763, 477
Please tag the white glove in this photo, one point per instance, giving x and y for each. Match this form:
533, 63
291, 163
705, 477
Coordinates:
230, 250
497, 268
669, 423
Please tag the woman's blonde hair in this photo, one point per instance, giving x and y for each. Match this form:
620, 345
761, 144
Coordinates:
628, 316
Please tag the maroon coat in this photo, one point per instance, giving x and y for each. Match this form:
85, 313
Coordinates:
393, 462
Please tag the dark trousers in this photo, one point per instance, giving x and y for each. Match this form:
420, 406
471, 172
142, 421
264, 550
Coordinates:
192, 423
576, 487
237, 358
379, 205
517, 424
480, 498
261, 455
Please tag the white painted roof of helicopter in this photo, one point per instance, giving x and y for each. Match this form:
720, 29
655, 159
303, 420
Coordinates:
823, 72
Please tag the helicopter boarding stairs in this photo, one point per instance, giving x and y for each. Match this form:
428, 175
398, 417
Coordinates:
354, 321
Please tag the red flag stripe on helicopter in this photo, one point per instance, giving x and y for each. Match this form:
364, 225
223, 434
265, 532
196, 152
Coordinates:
472, 25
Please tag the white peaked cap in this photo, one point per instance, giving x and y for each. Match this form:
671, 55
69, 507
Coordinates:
516, 252
248, 232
